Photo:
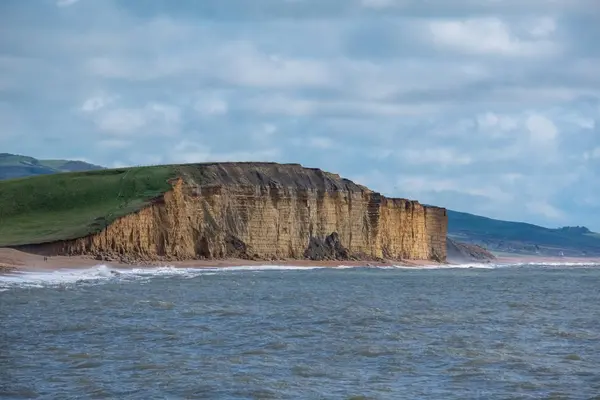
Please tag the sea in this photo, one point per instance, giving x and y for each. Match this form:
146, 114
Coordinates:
277, 332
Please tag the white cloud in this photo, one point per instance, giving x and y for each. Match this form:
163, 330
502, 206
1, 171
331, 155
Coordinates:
66, 3
211, 107
290, 106
319, 142
543, 27
545, 209
488, 35
495, 119
191, 152
495, 124
152, 119
96, 103
542, 131
435, 156
242, 64
377, 4
264, 134
122, 121
114, 144
592, 154
418, 186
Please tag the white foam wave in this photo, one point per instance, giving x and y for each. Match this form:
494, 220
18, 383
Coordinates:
63, 276
105, 273
503, 265
449, 266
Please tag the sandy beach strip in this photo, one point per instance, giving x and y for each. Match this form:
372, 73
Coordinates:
12, 260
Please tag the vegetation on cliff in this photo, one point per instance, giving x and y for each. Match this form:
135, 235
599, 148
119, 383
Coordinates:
66, 206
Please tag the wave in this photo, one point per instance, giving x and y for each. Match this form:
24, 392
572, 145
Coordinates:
449, 266
105, 273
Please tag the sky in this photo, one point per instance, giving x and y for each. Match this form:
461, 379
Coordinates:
485, 106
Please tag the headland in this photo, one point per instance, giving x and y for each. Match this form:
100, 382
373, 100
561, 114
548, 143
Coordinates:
214, 213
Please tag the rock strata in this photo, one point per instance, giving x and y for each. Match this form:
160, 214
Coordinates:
267, 211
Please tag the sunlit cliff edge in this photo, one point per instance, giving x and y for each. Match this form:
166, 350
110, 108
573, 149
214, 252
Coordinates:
261, 211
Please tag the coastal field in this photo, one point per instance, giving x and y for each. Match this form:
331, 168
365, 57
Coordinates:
65, 206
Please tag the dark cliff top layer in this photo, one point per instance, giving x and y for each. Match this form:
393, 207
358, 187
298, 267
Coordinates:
65, 206
292, 176
267, 174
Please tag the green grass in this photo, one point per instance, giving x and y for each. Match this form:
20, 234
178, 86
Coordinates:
64, 206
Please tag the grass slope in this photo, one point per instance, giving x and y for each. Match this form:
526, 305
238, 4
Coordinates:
65, 206
474, 228
17, 166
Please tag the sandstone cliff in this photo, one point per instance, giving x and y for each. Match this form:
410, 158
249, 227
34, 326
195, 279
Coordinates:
267, 211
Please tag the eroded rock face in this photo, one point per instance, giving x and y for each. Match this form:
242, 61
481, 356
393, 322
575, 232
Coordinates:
459, 252
269, 211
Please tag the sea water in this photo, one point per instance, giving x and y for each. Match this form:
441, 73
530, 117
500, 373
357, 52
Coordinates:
461, 332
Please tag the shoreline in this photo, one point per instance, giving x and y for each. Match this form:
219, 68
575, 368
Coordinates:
12, 260
15, 261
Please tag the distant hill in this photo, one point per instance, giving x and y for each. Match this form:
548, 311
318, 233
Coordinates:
523, 238
17, 166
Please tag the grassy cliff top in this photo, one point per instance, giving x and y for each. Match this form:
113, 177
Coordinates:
64, 206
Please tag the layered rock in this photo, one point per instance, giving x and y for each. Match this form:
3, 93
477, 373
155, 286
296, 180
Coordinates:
268, 211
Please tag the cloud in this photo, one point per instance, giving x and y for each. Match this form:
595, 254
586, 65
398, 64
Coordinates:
483, 106
379, 4
192, 152
96, 103
542, 131
492, 36
320, 142
436, 155
66, 3
151, 119
211, 107
592, 154
545, 210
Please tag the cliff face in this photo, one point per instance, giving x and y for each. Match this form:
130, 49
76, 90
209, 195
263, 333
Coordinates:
458, 252
269, 211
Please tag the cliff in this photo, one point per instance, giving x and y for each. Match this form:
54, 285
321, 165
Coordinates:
265, 211
458, 252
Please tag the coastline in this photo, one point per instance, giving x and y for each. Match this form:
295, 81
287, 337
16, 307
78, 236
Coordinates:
12, 261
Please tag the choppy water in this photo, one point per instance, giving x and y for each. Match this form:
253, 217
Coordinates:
527, 332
